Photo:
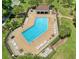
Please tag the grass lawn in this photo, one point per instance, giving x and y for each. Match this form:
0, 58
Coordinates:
68, 50
5, 54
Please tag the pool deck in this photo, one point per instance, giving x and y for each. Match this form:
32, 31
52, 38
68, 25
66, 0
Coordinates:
41, 42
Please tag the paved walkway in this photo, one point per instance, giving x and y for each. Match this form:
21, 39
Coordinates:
60, 15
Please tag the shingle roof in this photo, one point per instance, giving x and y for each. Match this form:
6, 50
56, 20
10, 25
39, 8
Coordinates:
42, 7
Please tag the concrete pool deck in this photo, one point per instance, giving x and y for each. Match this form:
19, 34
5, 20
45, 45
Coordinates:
41, 42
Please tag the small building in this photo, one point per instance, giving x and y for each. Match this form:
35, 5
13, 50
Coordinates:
42, 9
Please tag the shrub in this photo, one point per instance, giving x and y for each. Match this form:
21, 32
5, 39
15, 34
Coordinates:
64, 31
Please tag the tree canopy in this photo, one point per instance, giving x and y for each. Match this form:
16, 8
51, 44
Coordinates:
6, 4
64, 31
17, 9
33, 2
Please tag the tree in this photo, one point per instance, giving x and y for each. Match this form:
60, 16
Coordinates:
64, 31
69, 3
70, 7
22, 1
50, 1
64, 1
8, 24
17, 10
14, 23
6, 6
4, 12
34, 2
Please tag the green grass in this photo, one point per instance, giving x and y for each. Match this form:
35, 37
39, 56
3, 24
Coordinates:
68, 50
5, 54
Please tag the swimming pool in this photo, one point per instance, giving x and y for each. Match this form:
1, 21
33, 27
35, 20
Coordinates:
40, 27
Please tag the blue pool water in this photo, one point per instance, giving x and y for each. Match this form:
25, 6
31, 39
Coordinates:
40, 27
